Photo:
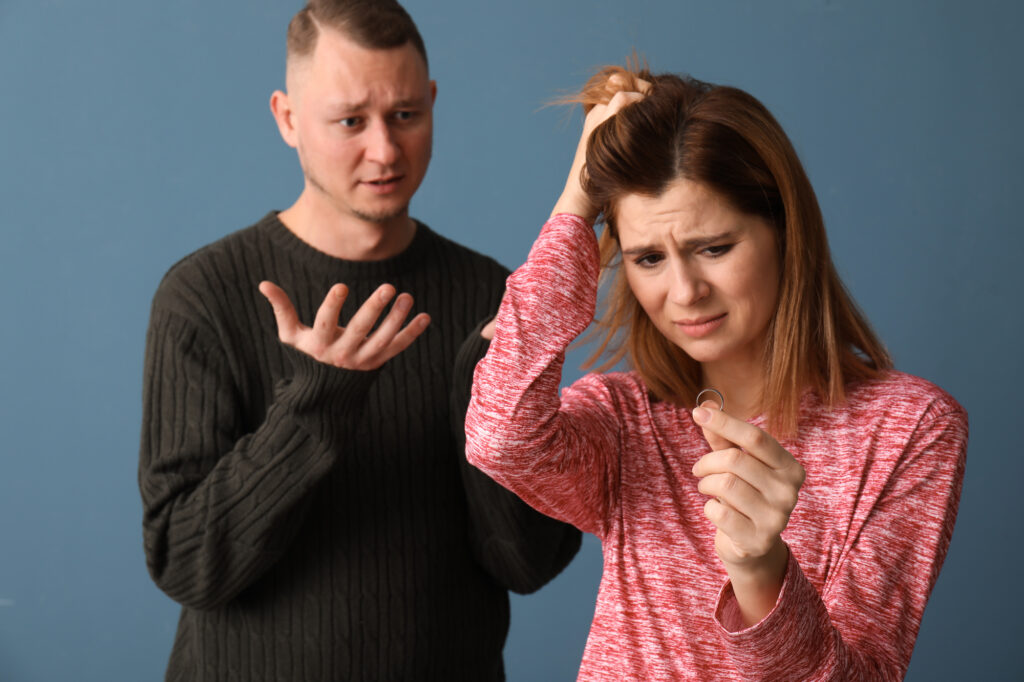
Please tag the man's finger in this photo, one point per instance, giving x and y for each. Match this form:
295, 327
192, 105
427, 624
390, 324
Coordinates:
382, 337
404, 338
284, 312
326, 323
360, 324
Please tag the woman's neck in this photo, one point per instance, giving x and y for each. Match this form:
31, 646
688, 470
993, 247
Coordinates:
741, 384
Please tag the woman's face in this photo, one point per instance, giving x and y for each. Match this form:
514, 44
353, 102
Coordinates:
706, 274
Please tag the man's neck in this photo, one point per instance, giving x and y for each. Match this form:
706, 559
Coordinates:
346, 236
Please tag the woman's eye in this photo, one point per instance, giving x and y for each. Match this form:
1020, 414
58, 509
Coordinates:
648, 260
716, 251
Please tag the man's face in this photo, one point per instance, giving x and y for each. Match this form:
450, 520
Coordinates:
362, 123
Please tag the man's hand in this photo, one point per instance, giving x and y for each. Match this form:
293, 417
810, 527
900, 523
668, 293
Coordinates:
353, 346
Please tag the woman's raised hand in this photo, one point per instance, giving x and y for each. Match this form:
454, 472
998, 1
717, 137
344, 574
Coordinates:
574, 200
357, 345
753, 483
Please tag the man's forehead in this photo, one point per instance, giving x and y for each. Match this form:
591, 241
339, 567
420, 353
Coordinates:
356, 72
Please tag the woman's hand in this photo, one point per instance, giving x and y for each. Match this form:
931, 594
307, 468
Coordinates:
753, 483
574, 200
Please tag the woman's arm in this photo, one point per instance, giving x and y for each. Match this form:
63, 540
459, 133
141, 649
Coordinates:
559, 455
519, 547
863, 622
556, 454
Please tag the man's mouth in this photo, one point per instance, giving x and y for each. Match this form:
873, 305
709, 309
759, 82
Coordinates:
380, 182
384, 185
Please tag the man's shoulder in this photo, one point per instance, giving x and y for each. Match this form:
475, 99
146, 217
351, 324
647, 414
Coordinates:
459, 254
201, 275
230, 246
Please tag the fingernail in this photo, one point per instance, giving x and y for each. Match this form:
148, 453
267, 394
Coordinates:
701, 414
385, 294
403, 303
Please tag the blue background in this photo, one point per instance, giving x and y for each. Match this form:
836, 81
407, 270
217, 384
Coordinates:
134, 132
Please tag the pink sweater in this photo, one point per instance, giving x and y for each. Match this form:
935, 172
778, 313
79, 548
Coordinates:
867, 538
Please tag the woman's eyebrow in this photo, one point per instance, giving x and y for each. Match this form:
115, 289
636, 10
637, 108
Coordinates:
693, 243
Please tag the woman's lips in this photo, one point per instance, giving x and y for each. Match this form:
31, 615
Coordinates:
700, 326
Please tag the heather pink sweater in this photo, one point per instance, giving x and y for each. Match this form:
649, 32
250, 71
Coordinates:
867, 538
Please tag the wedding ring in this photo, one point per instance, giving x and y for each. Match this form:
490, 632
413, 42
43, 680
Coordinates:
721, 398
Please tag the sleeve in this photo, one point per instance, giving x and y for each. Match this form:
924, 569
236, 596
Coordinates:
559, 455
519, 547
221, 499
864, 623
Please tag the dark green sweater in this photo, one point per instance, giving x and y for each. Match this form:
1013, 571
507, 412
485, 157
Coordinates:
318, 523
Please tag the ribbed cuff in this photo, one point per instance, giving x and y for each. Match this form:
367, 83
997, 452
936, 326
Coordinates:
472, 351
316, 387
787, 644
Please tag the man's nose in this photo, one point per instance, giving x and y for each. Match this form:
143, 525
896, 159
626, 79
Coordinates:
381, 146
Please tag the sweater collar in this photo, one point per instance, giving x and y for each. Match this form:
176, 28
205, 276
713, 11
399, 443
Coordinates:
316, 260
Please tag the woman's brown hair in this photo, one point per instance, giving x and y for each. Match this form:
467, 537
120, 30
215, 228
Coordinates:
728, 141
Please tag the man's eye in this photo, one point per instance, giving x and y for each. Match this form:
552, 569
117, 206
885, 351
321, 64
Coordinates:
350, 122
405, 115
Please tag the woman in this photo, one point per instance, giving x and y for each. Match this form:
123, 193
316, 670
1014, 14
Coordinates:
794, 534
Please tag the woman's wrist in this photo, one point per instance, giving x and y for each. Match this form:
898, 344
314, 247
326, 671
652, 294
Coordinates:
756, 584
577, 204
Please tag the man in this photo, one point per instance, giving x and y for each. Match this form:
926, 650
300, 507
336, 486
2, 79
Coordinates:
305, 493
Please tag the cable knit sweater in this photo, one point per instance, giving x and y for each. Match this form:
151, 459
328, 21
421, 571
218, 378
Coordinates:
318, 523
866, 540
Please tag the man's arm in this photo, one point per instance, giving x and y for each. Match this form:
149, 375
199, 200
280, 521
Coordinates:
223, 499
519, 547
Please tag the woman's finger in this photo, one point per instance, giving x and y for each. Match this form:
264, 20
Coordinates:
735, 492
747, 436
738, 527
716, 441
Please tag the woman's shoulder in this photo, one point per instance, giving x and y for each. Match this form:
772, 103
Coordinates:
625, 389
902, 395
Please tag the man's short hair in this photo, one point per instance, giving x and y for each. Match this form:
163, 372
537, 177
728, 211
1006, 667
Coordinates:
375, 24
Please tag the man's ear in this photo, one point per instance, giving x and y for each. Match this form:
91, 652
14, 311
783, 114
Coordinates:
433, 92
284, 114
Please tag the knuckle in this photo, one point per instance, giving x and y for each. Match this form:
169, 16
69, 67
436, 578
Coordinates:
733, 457
780, 522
